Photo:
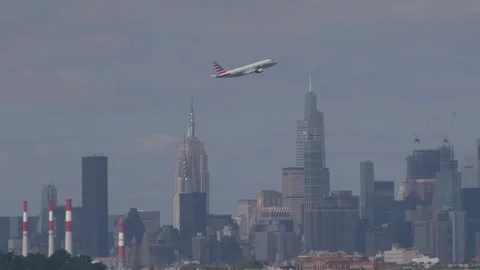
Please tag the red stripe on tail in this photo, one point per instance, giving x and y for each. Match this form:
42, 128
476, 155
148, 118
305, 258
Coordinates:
218, 69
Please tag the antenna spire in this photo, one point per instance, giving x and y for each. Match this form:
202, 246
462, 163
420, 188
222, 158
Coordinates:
191, 123
310, 83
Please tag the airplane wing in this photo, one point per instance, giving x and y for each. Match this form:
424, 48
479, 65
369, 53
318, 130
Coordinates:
250, 71
254, 70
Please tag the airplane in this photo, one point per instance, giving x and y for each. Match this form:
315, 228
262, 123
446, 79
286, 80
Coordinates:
256, 67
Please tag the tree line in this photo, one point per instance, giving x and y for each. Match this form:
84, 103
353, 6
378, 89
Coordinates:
243, 265
60, 260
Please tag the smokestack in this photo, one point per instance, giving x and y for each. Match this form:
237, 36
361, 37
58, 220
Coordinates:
51, 247
121, 244
25, 230
68, 225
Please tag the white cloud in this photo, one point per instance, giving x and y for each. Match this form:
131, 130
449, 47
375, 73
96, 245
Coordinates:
150, 143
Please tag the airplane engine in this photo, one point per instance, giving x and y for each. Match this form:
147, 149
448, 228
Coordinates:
260, 70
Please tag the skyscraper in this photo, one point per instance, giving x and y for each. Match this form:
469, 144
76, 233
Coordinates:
192, 173
383, 199
193, 214
293, 189
247, 212
367, 180
95, 204
471, 167
470, 201
310, 146
448, 181
310, 129
339, 218
192, 219
421, 164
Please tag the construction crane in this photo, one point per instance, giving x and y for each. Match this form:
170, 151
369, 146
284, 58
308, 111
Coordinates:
416, 137
445, 138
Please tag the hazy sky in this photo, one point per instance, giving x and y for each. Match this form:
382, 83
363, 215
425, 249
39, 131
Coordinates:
115, 77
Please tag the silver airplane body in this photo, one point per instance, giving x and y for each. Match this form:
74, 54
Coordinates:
256, 67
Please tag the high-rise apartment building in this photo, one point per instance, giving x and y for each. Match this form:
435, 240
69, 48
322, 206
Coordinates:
293, 191
339, 218
367, 180
450, 236
247, 213
457, 220
193, 214
95, 204
470, 167
310, 147
192, 173
448, 181
470, 202
193, 218
383, 208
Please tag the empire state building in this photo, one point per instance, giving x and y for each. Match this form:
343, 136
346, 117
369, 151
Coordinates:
192, 173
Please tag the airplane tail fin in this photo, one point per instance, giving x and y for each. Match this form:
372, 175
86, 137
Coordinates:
218, 69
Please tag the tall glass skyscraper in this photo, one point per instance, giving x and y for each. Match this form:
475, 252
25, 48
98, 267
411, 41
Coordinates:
95, 204
448, 181
310, 146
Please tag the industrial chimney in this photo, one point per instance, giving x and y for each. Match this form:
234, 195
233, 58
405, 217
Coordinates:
121, 244
68, 225
51, 247
25, 230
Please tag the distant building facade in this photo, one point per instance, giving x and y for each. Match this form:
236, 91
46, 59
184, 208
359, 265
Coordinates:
193, 219
293, 190
95, 204
339, 216
268, 198
470, 168
367, 179
247, 213
384, 196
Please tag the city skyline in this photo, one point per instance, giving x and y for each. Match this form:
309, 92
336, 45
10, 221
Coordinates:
120, 93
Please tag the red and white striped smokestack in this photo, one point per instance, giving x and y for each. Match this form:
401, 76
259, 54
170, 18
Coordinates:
68, 225
121, 244
51, 247
25, 230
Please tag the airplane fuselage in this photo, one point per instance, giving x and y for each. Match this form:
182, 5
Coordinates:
256, 67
